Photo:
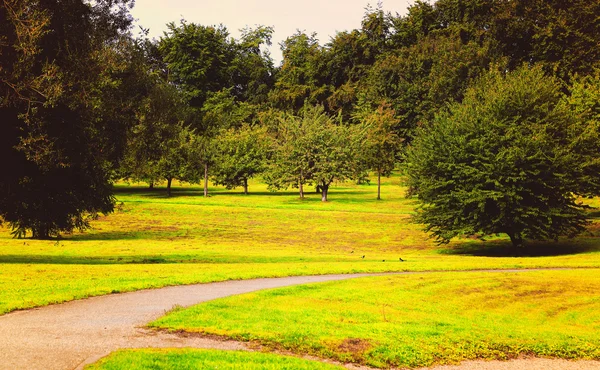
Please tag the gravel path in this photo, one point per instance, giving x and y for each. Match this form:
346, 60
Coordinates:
70, 335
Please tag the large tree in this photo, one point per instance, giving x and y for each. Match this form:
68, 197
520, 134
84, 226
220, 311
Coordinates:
500, 162
62, 72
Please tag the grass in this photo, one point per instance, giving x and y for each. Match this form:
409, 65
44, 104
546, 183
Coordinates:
415, 320
153, 241
181, 359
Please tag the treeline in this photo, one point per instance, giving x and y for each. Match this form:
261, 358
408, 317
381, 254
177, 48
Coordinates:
85, 103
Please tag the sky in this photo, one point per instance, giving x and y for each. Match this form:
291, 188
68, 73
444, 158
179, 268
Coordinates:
325, 17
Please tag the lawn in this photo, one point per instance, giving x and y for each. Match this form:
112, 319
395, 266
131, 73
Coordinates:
182, 359
153, 241
415, 320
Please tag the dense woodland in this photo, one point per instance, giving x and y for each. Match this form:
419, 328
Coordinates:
490, 107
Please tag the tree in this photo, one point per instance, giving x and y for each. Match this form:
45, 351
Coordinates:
584, 101
291, 163
381, 145
156, 137
241, 155
62, 68
500, 162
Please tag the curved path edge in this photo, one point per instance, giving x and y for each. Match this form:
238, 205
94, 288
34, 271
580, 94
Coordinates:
72, 334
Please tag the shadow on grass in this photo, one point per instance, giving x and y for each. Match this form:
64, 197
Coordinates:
531, 248
81, 260
141, 259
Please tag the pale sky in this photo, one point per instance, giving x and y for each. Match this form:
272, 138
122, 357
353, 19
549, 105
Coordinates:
324, 17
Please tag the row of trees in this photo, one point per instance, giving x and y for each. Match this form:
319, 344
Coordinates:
85, 103
295, 150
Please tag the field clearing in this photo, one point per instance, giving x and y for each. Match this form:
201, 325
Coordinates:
153, 241
415, 320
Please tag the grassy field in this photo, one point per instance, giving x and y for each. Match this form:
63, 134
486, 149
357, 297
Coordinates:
153, 241
415, 320
182, 359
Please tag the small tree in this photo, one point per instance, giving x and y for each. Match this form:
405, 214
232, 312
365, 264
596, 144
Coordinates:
311, 148
381, 144
500, 162
241, 154
291, 163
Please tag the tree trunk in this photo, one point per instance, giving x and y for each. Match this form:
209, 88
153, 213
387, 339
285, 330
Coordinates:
151, 185
41, 232
169, 180
378, 185
324, 189
301, 186
205, 180
245, 186
516, 239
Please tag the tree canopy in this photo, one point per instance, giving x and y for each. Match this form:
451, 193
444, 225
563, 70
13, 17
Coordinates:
500, 162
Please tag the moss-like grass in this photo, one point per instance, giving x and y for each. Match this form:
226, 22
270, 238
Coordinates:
153, 241
415, 320
181, 359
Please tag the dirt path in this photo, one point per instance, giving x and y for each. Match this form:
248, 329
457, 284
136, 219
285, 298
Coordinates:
70, 335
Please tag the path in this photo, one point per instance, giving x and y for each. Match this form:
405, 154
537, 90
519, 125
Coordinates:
70, 335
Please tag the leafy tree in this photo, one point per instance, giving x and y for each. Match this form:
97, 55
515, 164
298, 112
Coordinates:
241, 155
584, 101
155, 135
381, 145
419, 80
291, 162
61, 71
300, 78
500, 162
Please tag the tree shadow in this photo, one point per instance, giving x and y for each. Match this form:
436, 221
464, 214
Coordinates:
122, 235
82, 260
530, 249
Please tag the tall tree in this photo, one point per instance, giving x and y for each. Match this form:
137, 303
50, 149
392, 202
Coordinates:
500, 162
60, 70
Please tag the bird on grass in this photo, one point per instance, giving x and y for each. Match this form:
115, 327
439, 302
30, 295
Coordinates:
401, 260
363, 257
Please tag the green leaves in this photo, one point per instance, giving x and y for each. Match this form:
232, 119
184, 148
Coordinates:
500, 162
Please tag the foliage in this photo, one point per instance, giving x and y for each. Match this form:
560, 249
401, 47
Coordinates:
241, 155
299, 79
584, 101
381, 146
500, 162
64, 72
311, 148
156, 141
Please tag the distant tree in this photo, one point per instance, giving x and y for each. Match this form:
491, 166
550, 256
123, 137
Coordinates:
291, 163
156, 135
63, 73
174, 160
380, 145
301, 75
419, 80
500, 162
241, 155
584, 101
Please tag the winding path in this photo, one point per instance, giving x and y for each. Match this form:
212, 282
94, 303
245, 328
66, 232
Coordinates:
73, 334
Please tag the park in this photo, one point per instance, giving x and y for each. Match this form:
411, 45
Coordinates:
422, 192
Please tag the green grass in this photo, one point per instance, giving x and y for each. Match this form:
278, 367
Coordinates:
153, 241
415, 320
181, 359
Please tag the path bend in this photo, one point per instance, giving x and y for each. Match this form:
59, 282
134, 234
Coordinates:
73, 334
